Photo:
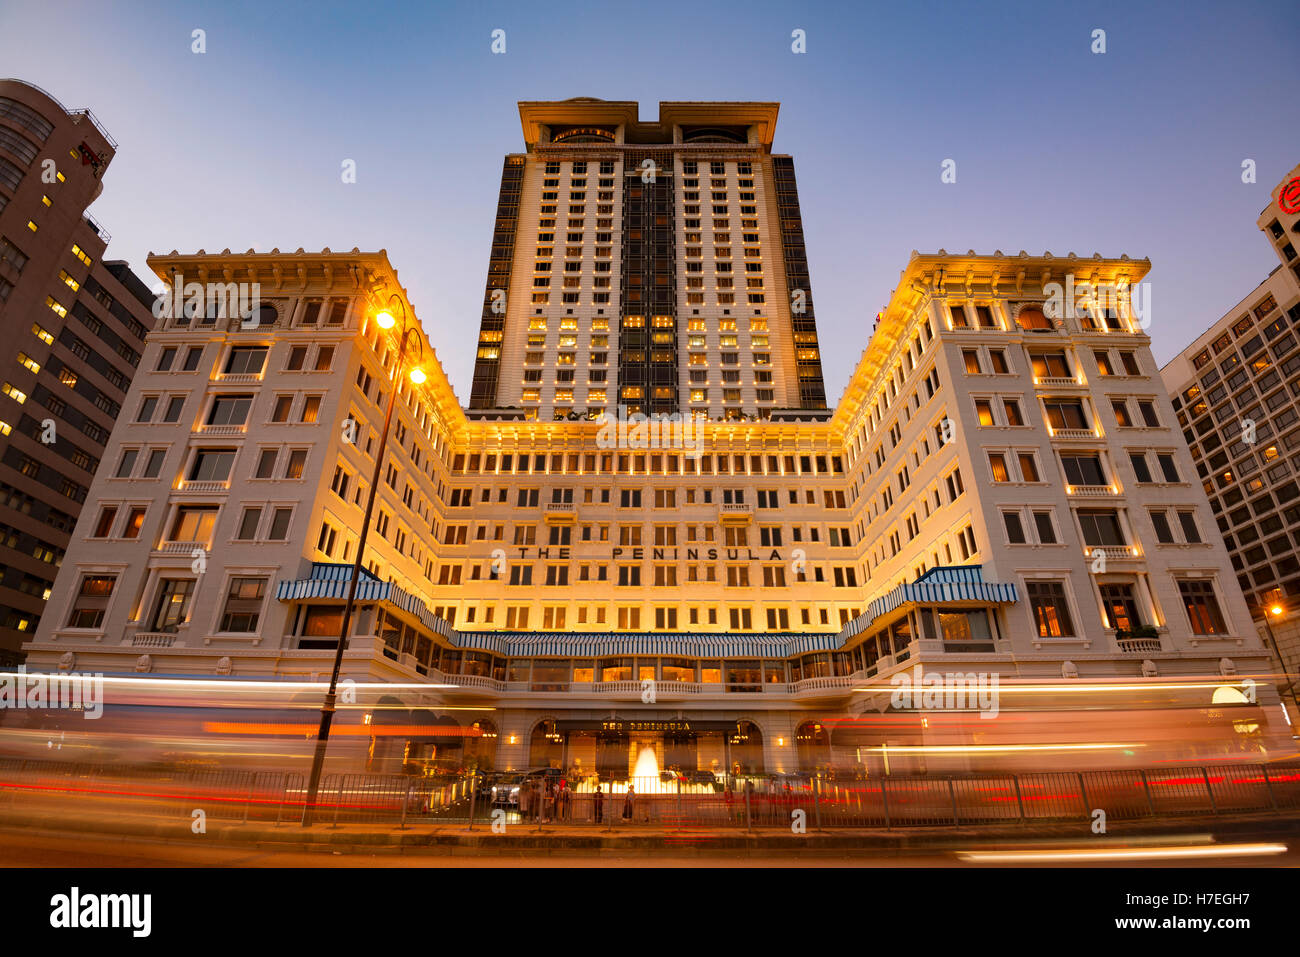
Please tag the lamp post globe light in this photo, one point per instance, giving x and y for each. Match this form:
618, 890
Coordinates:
408, 344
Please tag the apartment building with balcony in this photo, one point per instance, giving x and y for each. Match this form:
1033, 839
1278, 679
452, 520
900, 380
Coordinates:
1236, 393
997, 492
76, 325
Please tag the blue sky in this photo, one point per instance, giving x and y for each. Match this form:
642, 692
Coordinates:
1137, 150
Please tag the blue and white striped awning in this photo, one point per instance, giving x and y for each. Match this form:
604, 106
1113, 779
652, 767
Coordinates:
332, 581
939, 586
534, 644
945, 585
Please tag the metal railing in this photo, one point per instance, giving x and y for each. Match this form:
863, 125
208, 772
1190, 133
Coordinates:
670, 801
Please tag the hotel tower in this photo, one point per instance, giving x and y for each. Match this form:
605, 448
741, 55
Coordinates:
1002, 491
655, 265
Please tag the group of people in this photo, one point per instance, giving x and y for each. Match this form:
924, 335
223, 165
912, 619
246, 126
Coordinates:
545, 801
549, 799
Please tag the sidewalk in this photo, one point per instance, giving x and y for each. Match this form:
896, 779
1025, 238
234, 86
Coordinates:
459, 839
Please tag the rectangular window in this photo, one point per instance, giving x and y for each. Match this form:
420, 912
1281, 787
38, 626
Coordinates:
92, 601
1046, 530
280, 524
1160, 521
173, 604
243, 360
1049, 608
248, 523
212, 465
134, 522
1202, 607
243, 605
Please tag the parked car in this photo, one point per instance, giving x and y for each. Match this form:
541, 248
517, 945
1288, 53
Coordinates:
505, 790
703, 776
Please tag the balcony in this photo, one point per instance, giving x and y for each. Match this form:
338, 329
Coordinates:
1058, 382
1091, 491
735, 513
235, 378
220, 429
190, 486
146, 639
561, 513
1113, 553
1138, 646
182, 548
1072, 433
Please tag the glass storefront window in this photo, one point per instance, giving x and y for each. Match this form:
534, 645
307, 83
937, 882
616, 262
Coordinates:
476, 663
773, 672
646, 669
679, 669
584, 670
519, 669
322, 621
449, 662
965, 625
796, 669
390, 631
744, 676
551, 674
711, 672
616, 669
817, 666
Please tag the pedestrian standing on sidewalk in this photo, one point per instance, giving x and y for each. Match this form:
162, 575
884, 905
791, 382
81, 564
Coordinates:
598, 804
628, 802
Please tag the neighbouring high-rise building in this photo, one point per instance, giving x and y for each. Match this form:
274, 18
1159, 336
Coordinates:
1236, 392
655, 265
75, 327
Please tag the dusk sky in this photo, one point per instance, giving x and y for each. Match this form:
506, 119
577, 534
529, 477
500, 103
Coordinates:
1137, 150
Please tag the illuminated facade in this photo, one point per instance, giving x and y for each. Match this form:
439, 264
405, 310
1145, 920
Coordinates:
76, 328
1236, 392
973, 504
655, 265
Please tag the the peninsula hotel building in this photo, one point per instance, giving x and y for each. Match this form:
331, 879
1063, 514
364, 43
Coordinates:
990, 496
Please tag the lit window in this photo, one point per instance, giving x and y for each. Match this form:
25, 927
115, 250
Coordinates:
32, 226
5, 428
16, 394
56, 307
68, 280
29, 362
80, 254
42, 333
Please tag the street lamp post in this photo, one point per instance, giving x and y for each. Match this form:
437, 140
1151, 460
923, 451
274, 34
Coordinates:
407, 335
1277, 611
